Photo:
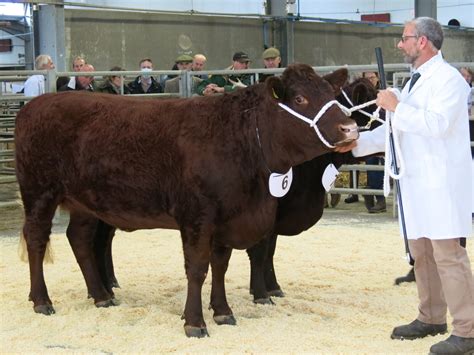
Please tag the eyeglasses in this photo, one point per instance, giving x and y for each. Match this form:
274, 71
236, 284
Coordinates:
404, 38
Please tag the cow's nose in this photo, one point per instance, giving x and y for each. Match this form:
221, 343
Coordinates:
350, 130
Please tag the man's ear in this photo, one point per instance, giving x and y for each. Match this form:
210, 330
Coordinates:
275, 88
337, 79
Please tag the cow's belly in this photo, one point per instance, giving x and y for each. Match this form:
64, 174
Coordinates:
248, 229
125, 219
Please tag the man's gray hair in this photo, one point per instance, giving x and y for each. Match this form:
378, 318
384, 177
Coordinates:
41, 61
431, 29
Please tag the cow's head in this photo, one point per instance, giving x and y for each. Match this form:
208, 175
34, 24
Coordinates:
303, 91
358, 92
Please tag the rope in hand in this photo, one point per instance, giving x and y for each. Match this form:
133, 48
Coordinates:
389, 170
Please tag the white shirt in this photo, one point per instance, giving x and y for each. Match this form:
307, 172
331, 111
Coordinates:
34, 86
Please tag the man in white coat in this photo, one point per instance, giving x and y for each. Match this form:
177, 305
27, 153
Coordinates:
431, 122
34, 86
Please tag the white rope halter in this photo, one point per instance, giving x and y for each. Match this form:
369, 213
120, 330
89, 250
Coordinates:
373, 116
314, 121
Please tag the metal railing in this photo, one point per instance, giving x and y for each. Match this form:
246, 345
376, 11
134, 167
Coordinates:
11, 102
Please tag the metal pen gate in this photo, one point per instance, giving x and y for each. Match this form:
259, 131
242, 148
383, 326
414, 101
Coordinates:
11, 102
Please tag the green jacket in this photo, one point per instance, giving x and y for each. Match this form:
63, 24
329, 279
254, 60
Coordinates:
223, 81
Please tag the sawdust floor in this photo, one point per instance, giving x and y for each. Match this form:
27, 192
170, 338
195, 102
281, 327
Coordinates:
338, 279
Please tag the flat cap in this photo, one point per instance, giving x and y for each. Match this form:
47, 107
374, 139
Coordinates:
271, 52
184, 58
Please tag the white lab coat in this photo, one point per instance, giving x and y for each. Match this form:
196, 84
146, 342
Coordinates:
433, 126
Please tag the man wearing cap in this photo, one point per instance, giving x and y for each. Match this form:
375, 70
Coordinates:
183, 62
218, 84
271, 60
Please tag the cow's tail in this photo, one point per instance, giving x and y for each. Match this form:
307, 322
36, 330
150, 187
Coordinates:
23, 253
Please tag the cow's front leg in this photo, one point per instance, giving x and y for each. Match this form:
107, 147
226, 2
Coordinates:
219, 262
197, 251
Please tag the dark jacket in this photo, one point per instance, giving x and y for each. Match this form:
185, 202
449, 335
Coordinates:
224, 81
135, 87
108, 88
77, 87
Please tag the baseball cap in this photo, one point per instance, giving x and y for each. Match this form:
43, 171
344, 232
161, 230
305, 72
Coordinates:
241, 57
271, 52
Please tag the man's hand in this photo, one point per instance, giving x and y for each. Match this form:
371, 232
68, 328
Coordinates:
346, 148
387, 100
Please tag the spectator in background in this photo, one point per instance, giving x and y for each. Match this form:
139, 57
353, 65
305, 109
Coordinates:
34, 85
271, 60
114, 83
145, 83
468, 75
183, 62
80, 82
77, 64
374, 178
218, 84
199, 61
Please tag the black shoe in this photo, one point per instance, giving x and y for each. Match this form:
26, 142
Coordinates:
454, 345
369, 201
410, 277
352, 198
418, 329
379, 207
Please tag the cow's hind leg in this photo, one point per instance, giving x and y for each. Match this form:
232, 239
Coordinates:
36, 230
271, 283
219, 263
81, 232
257, 255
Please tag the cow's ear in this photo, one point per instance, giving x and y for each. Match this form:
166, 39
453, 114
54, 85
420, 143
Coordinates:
275, 88
360, 94
337, 79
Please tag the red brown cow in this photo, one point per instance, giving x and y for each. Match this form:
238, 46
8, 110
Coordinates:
199, 165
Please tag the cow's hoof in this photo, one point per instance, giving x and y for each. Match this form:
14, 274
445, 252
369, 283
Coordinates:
46, 309
267, 300
114, 283
276, 293
107, 303
228, 319
195, 332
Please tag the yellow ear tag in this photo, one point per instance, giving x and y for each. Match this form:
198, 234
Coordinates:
274, 94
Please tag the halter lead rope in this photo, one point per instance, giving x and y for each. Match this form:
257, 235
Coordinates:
314, 121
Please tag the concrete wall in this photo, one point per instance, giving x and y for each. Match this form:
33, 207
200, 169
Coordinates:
108, 38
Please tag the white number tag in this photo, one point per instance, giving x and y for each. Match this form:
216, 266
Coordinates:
329, 177
279, 184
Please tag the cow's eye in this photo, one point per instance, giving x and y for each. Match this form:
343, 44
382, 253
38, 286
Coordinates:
300, 100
